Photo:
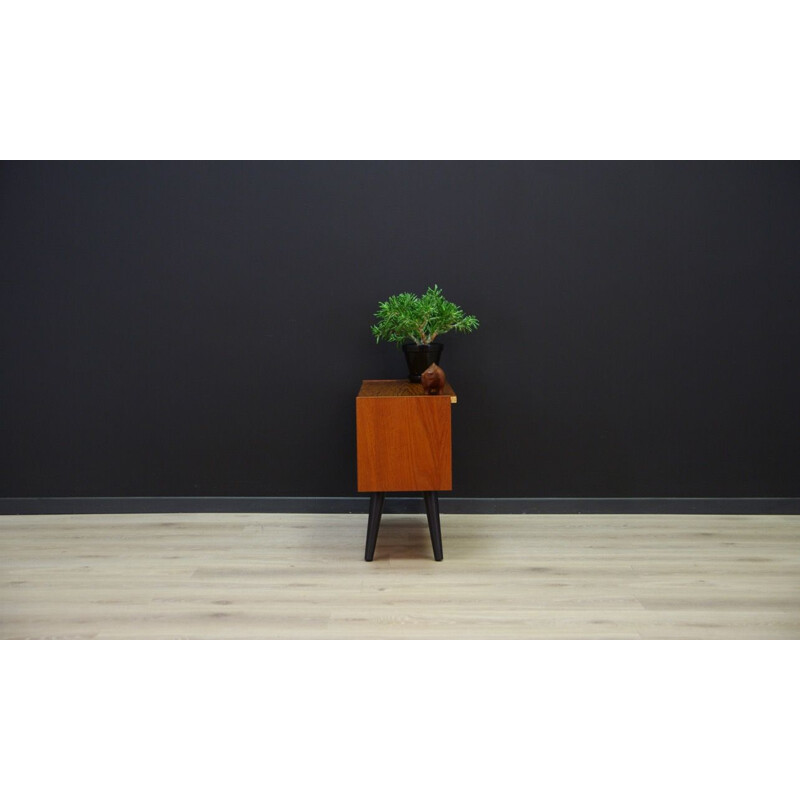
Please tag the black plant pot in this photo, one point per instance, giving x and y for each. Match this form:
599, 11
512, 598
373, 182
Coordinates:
419, 357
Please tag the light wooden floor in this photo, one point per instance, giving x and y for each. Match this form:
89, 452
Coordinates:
302, 576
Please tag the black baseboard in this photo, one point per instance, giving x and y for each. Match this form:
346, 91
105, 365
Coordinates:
401, 505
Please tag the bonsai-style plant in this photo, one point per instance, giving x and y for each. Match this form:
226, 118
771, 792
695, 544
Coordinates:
414, 322
406, 317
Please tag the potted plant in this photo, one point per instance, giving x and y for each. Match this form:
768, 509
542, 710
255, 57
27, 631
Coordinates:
414, 322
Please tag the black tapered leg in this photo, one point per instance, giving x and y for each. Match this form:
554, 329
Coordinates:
432, 509
375, 511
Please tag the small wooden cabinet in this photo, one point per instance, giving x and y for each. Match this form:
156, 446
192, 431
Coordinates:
404, 445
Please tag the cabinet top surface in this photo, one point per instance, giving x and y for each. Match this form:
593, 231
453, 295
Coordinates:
401, 388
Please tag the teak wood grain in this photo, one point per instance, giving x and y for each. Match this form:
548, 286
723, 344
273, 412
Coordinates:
394, 388
403, 438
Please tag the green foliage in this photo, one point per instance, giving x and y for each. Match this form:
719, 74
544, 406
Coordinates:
405, 317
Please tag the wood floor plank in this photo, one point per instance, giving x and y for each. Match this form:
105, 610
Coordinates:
302, 576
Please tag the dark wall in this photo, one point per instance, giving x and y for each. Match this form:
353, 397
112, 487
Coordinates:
190, 329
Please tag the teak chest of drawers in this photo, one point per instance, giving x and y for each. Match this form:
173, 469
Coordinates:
404, 445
